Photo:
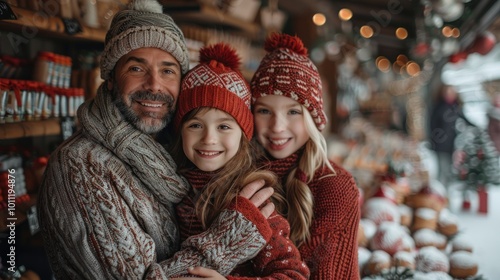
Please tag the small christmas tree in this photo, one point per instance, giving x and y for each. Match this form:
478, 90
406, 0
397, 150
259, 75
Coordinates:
476, 162
476, 159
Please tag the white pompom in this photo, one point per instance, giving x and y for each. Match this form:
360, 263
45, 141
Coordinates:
146, 6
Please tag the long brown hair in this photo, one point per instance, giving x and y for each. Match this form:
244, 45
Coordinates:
224, 187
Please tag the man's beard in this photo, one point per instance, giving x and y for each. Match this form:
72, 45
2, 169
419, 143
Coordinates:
135, 119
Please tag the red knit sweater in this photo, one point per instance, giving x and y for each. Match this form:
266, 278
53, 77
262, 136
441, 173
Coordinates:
332, 252
279, 259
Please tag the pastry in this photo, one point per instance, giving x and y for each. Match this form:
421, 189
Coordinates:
460, 243
427, 197
378, 262
389, 238
363, 257
425, 218
379, 210
463, 264
447, 223
404, 259
425, 237
369, 229
406, 215
431, 259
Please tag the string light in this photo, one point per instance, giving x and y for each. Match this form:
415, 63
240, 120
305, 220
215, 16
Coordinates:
447, 31
366, 31
345, 14
402, 58
383, 64
401, 33
412, 68
319, 19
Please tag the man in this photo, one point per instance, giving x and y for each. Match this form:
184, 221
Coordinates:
106, 202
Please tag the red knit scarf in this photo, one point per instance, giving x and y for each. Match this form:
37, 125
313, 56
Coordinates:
198, 178
281, 167
189, 223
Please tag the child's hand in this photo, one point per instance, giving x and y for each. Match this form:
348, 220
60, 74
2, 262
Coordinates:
201, 272
259, 196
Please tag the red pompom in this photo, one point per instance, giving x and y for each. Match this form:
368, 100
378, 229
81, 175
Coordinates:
221, 53
293, 43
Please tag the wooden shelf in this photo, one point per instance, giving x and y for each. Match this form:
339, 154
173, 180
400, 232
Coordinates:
208, 15
16, 130
53, 25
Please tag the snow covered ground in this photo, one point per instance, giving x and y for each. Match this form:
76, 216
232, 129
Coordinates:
481, 230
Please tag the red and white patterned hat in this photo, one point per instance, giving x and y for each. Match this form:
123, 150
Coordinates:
287, 70
216, 82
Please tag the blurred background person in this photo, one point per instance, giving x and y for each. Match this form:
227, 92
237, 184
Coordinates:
445, 112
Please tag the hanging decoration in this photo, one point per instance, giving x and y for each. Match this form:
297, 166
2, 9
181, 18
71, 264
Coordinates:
458, 57
421, 50
448, 10
483, 43
272, 18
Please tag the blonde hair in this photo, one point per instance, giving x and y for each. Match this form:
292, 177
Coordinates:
225, 186
298, 194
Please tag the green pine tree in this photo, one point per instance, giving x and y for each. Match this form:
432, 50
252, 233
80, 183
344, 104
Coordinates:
478, 160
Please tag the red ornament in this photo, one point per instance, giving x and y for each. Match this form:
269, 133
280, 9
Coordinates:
41, 161
458, 57
480, 154
421, 49
483, 43
391, 178
465, 205
463, 174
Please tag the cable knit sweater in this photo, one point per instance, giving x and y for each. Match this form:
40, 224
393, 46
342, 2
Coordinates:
106, 207
332, 252
280, 259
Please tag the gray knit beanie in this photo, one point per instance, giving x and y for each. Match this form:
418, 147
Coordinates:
142, 25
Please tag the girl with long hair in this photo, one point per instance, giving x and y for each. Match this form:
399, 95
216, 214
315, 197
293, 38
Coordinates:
322, 198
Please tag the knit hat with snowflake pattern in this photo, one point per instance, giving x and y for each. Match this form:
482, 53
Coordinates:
286, 70
216, 82
142, 25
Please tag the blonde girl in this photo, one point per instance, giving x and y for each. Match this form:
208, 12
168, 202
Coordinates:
323, 199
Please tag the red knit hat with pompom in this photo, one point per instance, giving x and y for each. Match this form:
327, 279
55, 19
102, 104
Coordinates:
287, 70
216, 82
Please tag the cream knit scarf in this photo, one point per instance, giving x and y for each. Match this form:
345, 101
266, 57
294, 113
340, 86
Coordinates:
150, 162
